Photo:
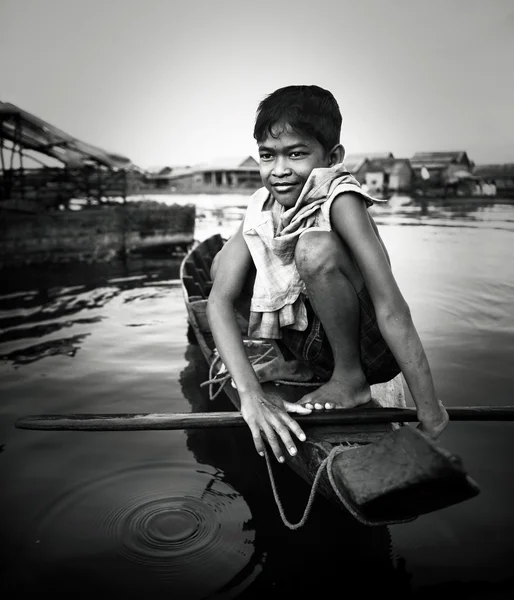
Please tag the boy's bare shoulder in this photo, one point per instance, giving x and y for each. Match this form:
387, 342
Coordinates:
350, 205
235, 249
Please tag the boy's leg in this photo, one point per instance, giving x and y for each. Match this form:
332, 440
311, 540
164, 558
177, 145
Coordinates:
332, 280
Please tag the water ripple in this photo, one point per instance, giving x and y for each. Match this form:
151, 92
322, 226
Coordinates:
165, 523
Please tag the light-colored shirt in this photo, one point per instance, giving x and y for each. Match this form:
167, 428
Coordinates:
271, 232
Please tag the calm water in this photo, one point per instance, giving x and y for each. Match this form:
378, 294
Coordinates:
190, 514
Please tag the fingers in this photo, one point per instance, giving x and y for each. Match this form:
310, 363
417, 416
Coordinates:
278, 435
275, 444
257, 438
431, 432
294, 426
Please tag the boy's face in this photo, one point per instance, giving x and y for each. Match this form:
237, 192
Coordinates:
286, 161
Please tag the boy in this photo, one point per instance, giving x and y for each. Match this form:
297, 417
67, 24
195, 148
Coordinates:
322, 281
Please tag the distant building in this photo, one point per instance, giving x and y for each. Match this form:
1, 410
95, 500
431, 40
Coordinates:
221, 175
495, 179
387, 175
356, 162
439, 169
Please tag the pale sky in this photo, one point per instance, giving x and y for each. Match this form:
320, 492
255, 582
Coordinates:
174, 83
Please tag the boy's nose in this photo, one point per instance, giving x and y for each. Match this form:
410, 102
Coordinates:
281, 168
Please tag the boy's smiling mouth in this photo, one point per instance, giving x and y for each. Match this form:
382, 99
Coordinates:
284, 187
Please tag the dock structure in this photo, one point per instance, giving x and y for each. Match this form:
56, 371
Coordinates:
62, 199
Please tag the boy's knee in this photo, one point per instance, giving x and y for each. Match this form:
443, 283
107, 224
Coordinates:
316, 254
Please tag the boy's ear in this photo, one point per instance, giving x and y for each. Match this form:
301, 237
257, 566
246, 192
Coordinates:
336, 155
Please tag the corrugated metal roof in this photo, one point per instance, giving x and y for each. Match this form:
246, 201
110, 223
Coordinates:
40, 136
438, 159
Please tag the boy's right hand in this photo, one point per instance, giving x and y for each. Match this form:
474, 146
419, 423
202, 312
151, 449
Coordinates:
434, 421
269, 416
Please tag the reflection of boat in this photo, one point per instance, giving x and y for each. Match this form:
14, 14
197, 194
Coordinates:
381, 473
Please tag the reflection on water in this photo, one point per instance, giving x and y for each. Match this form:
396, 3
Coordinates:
159, 524
193, 512
224, 213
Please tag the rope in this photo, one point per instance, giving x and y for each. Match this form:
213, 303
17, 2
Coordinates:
325, 463
221, 379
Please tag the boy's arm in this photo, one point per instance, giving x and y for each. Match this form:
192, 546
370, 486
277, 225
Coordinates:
351, 221
261, 415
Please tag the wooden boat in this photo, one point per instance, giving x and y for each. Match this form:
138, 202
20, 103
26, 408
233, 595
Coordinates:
381, 473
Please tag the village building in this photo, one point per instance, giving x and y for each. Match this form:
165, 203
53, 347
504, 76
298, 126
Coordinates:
387, 175
218, 176
356, 162
381, 171
493, 180
440, 169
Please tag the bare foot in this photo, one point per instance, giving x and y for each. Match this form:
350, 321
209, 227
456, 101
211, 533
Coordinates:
278, 368
337, 393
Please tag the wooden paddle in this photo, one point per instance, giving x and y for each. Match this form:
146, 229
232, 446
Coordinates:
154, 421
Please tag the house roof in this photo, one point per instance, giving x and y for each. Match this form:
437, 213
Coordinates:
244, 163
354, 165
494, 171
354, 156
355, 161
387, 165
438, 159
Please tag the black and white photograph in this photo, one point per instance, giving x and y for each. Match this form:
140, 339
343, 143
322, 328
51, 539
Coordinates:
256, 317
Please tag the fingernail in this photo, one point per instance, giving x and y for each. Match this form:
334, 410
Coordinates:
328, 406
261, 453
281, 459
308, 406
292, 451
302, 437
318, 406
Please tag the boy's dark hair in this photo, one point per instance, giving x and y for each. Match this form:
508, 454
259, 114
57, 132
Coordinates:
306, 108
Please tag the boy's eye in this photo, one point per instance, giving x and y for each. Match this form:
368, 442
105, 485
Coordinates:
297, 154
265, 156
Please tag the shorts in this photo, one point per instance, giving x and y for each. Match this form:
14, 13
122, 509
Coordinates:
312, 345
